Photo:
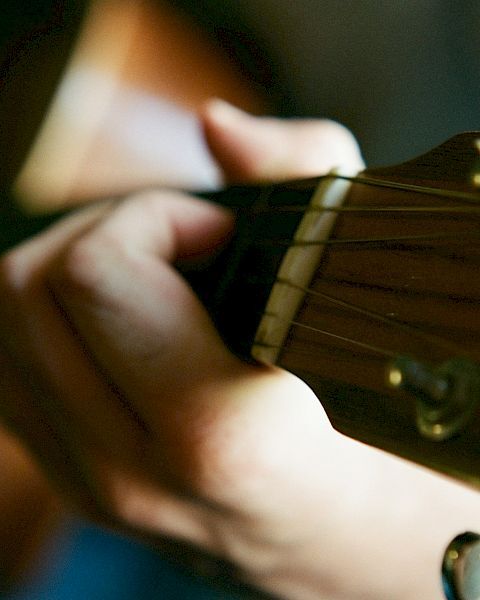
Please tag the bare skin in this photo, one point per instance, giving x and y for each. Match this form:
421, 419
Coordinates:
115, 378
28, 507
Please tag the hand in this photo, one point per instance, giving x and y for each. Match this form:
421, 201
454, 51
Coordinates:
114, 376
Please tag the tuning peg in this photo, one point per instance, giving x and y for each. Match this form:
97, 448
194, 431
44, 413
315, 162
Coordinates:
461, 568
446, 395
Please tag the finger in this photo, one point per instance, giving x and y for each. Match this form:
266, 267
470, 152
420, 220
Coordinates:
265, 149
24, 415
143, 325
48, 355
176, 226
149, 333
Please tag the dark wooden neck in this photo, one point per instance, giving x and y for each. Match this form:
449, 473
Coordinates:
236, 287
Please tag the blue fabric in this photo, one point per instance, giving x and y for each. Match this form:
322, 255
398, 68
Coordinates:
92, 564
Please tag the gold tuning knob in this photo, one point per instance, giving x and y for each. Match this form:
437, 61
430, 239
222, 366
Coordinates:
461, 568
446, 395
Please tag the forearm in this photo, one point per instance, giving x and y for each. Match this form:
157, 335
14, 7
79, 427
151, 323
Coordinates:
316, 516
382, 536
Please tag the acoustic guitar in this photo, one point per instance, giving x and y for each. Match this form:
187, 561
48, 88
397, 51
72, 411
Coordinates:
364, 285
367, 288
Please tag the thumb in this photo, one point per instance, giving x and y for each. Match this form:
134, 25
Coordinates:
264, 149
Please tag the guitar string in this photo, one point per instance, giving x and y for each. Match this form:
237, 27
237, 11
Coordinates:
308, 352
461, 237
410, 187
326, 333
374, 209
470, 197
448, 194
473, 197
379, 350
406, 327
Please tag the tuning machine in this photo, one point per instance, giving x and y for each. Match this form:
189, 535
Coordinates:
446, 395
461, 568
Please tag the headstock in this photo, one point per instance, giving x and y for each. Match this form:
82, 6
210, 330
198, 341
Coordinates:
388, 334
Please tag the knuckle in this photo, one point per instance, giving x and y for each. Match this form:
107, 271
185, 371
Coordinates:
16, 285
80, 268
12, 275
145, 201
114, 495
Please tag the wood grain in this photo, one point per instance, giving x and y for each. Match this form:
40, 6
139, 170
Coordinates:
398, 297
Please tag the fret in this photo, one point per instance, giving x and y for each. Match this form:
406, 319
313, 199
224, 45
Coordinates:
298, 266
